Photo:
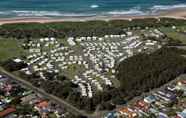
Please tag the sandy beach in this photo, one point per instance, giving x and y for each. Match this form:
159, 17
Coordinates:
174, 13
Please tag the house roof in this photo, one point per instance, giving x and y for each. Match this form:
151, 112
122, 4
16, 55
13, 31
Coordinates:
17, 60
142, 105
7, 111
42, 104
167, 94
129, 112
111, 115
182, 114
150, 99
162, 115
183, 81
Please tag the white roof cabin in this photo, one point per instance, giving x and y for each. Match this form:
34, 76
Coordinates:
78, 39
89, 38
100, 39
106, 36
28, 72
94, 38
71, 41
129, 33
46, 39
123, 35
52, 39
173, 27
130, 19
38, 44
41, 40
17, 60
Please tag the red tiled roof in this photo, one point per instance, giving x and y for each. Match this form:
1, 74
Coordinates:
129, 112
142, 105
42, 104
7, 111
183, 81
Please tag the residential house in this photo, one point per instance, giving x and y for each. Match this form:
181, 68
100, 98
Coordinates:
166, 96
112, 114
181, 85
182, 114
162, 115
127, 112
7, 111
142, 105
150, 99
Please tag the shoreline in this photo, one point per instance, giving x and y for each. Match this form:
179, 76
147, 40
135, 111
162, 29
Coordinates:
179, 13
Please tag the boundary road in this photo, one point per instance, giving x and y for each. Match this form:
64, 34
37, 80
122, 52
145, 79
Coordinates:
68, 106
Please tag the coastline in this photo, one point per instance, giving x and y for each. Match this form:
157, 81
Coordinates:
179, 13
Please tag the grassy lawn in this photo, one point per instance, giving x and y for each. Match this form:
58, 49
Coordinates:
182, 28
52, 115
63, 41
73, 70
10, 48
174, 35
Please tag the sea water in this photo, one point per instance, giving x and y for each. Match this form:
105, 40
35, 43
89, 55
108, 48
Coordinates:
73, 8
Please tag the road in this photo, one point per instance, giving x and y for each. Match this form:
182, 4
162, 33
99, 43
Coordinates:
132, 101
68, 106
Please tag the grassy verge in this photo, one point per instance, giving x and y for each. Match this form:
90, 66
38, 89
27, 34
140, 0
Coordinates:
10, 48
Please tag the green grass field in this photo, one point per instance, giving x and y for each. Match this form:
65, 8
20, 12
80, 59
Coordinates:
174, 34
10, 48
73, 70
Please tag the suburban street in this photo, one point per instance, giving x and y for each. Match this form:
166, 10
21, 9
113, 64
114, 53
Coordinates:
68, 106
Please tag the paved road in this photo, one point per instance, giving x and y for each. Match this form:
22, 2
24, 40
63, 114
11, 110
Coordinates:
152, 91
68, 106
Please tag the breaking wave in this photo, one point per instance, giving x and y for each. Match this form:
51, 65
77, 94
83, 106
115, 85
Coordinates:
94, 6
132, 11
36, 13
60, 14
168, 7
25, 13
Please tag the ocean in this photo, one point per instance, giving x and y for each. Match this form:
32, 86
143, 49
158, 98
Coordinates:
84, 8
